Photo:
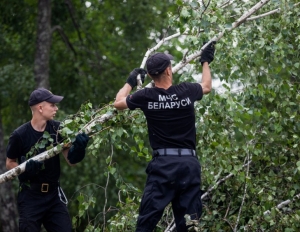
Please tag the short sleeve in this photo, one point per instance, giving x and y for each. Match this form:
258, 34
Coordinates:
135, 100
196, 91
199, 91
14, 147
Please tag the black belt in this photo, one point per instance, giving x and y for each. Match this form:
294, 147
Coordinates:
40, 187
174, 151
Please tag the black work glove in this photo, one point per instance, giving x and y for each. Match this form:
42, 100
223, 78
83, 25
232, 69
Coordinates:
77, 150
208, 53
31, 169
132, 78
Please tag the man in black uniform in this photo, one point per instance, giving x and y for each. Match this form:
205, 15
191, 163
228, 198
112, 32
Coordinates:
174, 172
40, 198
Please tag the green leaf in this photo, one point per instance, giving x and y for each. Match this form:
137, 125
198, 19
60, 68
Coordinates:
46, 135
185, 13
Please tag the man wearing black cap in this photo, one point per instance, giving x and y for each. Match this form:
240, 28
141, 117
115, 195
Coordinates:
174, 172
40, 198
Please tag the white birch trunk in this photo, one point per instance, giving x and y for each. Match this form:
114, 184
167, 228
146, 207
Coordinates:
54, 151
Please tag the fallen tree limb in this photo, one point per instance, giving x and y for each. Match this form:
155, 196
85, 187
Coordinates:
216, 38
56, 150
139, 86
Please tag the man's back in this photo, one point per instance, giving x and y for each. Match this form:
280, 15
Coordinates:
169, 113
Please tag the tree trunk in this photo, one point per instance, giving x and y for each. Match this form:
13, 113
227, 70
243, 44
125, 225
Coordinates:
43, 43
9, 212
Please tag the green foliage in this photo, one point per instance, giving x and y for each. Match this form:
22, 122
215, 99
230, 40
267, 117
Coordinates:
257, 125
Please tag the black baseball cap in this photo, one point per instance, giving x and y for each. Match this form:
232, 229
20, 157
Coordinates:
158, 63
41, 94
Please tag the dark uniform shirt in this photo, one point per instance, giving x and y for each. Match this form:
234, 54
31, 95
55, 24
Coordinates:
169, 113
24, 138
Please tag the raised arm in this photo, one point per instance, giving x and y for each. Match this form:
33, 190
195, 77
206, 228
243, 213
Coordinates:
120, 102
207, 57
206, 78
131, 82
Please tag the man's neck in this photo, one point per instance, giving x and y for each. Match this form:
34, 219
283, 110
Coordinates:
38, 124
164, 83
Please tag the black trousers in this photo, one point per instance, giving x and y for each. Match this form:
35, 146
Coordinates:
37, 208
171, 179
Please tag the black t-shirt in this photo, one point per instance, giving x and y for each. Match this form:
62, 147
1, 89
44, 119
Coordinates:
169, 113
21, 141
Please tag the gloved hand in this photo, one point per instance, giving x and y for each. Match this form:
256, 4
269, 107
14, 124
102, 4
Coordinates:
77, 150
132, 81
31, 169
208, 53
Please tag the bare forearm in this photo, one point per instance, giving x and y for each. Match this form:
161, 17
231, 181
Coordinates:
206, 82
124, 92
120, 102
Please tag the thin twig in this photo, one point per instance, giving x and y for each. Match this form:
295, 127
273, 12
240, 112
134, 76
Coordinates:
106, 186
245, 193
278, 10
264, 15
220, 182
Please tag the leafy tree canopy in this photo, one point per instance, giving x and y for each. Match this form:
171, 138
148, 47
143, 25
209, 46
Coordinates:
248, 139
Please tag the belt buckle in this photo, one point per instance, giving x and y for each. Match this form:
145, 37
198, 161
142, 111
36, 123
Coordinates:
45, 188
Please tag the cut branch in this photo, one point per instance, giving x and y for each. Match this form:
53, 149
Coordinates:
197, 54
158, 45
12, 173
236, 24
56, 150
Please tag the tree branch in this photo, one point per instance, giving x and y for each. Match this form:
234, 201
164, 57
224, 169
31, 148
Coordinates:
245, 193
197, 54
264, 15
12, 173
278, 10
221, 181
72, 13
236, 24
56, 150
227, 3
64, 37
106, 186
158, 45
284, 203
171, 227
